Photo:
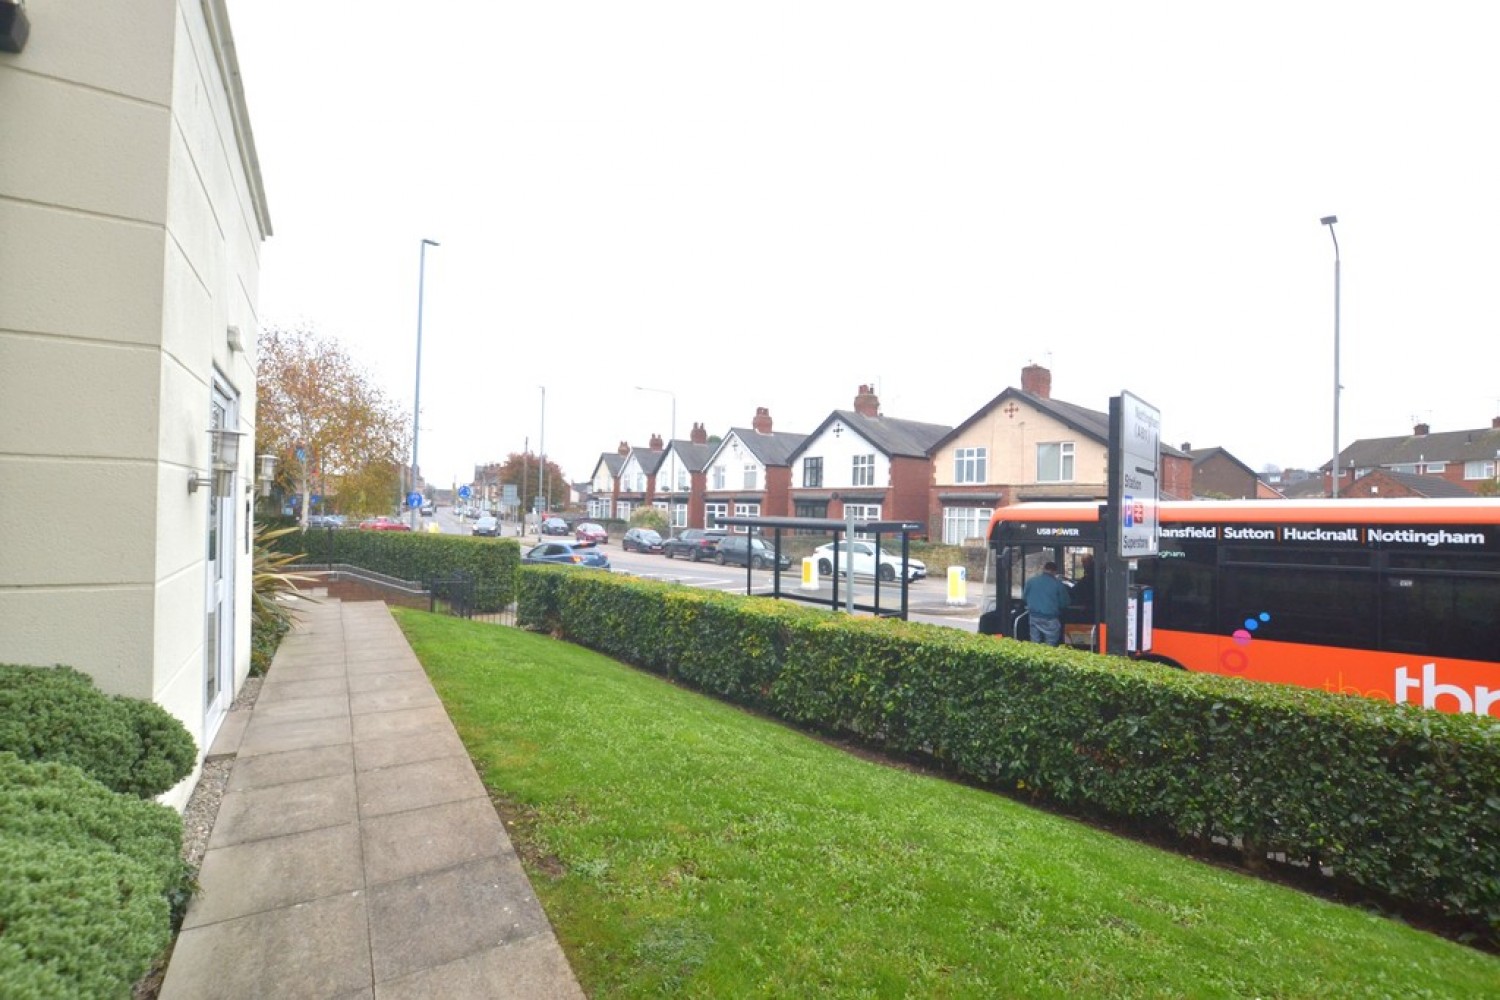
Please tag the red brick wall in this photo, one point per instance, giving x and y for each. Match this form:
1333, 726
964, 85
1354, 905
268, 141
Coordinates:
777, 501
1176, 476
910, 495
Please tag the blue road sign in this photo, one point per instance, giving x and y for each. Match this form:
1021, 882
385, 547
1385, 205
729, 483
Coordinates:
464, 493
413, 499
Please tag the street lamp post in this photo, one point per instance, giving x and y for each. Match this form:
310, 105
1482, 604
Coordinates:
542, 462
416, 403
1329, 220
672, 472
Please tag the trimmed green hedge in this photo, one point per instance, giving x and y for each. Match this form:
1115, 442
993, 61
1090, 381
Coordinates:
56, 714
418, 556
91, 880
1398, 800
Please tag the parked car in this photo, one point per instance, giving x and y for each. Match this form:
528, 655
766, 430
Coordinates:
693, 543
487, 525
865, 564
588, 531
383, 523
326, 520
428, 508
737, 549
641, 540
554, 526
567, 554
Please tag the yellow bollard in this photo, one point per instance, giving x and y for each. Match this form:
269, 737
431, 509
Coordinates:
958, 585
809, 573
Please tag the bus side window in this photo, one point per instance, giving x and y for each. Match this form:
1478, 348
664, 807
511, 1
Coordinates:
1448, 615
1183, 583
1326, 607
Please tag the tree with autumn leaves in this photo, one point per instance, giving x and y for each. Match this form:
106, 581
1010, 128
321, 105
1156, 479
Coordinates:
334, 431
520, 470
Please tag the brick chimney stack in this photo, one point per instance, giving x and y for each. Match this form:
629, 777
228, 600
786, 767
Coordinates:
867, 404
698, 435
1036, 380
1495, 424
762, 422
656, 444
1420, 430
624, 448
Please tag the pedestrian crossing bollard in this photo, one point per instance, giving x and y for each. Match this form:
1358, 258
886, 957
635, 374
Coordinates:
809, 573
958, 585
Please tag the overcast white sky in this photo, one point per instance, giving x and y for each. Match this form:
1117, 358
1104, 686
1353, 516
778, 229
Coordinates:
768, 204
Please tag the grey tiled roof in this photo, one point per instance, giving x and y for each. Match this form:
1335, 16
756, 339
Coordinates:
1092, 423
771, 449
1445, 446
694, 456
894, 437
1422, 486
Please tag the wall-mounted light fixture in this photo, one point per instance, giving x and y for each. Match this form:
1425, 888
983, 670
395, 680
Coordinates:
225, 448
266, 473
14, 26
235, 338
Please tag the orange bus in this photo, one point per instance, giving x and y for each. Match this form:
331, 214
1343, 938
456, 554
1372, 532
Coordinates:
1393, 599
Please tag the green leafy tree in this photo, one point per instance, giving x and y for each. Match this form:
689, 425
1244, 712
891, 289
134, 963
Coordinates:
331, 427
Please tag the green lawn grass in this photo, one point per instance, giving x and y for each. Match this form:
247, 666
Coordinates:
682, 847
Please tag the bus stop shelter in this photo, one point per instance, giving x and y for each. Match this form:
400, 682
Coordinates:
839, 530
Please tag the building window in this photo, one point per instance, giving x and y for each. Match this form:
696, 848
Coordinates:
679, 515
812, 472
862, 512
751, 474
962, 523
1479, 470
969, 465
746, 510
622, 510
718, 478
713, 511
1054, 462
682, 479
864, 470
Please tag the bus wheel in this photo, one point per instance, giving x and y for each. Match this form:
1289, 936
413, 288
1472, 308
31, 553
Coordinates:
1165, 661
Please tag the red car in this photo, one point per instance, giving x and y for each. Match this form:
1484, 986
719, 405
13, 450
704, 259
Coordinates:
588, 531
384, 524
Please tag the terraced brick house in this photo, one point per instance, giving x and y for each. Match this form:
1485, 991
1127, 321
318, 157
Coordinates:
1467, 458
863, 463
1025, 445
748, 474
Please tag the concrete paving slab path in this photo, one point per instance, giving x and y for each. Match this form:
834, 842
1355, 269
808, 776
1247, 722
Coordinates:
356, 853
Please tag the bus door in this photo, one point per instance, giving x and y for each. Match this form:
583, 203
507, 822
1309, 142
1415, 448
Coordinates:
1015, 564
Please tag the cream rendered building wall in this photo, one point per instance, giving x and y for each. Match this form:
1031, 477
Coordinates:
1011, 448
131, 220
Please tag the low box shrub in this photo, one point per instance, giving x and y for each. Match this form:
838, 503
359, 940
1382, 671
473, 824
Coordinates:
92, 879
1397, 800
126, 744
419, 557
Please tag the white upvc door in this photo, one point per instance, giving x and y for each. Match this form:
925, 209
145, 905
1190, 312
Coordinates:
218, 660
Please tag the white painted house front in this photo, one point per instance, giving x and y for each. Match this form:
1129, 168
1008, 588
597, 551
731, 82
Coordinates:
131, 224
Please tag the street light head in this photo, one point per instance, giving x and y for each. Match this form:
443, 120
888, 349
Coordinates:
432, 243
1329, 220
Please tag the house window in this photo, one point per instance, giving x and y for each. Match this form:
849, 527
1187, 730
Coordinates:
746, 510
1479, 470
969, 465
713, 511
679, 515
862, 512
1054, 462
718, 477
1409, 468
864, 470
751, 473
812, 472
963, 523
622, 510
682, 479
